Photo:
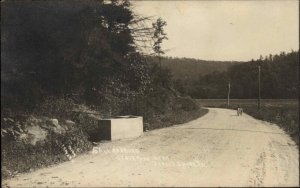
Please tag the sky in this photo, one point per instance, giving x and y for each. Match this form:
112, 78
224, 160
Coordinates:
226, 30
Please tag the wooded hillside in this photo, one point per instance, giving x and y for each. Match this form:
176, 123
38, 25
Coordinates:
279, 79
191, 69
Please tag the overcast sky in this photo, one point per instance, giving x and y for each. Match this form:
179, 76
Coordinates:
226, 30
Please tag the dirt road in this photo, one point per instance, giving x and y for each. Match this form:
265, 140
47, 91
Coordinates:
218, 149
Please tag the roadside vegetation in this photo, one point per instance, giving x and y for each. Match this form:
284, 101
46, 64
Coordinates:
63, 65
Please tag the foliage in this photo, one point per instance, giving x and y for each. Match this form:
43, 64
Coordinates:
158, 36
79, 59
160, 106
279, 79
56, 107
189, 69
18, 155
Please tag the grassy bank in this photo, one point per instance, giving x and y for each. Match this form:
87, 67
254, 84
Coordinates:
32, 142
173, 118
180, 110
283, 112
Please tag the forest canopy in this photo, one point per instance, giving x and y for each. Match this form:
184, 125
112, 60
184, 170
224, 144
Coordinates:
279, 78
84, 50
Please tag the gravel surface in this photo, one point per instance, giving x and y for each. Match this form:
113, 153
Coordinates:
218, 149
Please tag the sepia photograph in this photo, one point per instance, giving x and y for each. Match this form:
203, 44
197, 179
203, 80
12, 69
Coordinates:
149, 93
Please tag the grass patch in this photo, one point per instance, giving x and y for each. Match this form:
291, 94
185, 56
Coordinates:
183, 110
173, 118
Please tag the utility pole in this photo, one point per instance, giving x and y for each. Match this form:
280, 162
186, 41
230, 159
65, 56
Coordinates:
228, 95
259, 64
159, 60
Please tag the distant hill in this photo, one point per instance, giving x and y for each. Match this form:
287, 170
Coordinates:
191, 69
279, 79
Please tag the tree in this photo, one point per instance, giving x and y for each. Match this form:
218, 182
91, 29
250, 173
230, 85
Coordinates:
158, 37
74, 49
270, 57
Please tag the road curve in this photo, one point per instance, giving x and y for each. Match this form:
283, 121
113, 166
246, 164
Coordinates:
218, 149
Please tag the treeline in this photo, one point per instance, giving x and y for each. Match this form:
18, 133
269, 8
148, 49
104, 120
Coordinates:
190, 68
279, 79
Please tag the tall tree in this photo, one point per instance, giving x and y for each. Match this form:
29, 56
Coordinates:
158, 37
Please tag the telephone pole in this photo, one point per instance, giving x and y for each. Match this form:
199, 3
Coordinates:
259, 97
228, 95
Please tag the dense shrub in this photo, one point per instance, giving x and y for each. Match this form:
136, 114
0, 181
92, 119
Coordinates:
56, 107
20, 155
161, 112
186, 104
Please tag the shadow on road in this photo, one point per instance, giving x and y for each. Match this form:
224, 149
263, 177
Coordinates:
205, 128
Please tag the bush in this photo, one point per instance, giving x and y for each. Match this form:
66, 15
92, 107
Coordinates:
186, 104
161, 109
19, 155
56, 107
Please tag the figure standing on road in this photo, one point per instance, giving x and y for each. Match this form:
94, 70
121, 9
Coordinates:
239, 111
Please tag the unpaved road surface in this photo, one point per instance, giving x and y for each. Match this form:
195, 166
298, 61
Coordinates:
218, 149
